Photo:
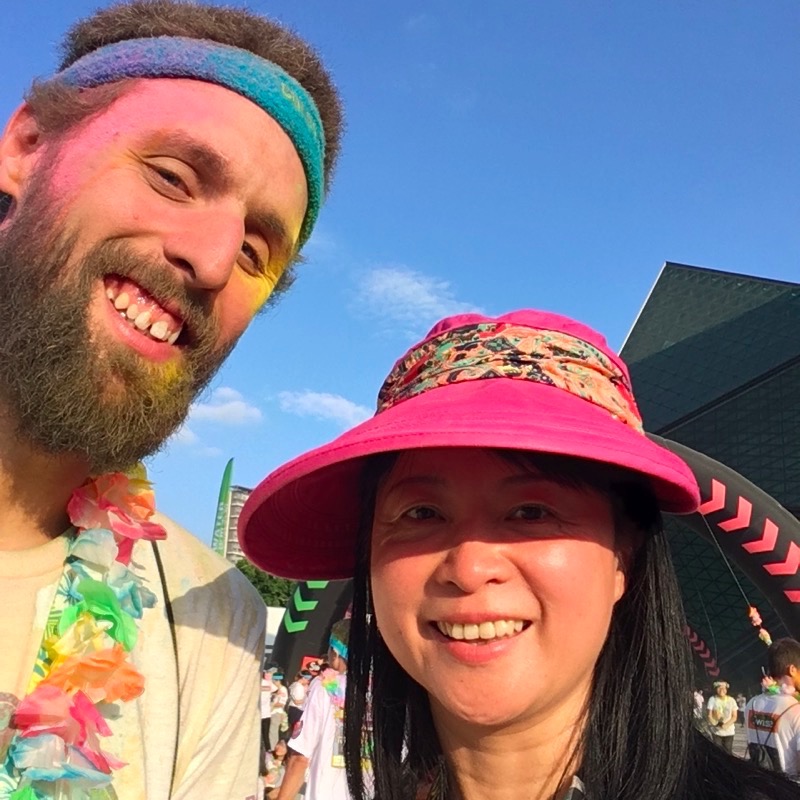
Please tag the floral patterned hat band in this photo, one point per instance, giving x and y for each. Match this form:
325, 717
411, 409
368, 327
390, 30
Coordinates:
508, 350
504, 372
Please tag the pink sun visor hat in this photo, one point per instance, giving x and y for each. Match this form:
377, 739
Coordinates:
527, 380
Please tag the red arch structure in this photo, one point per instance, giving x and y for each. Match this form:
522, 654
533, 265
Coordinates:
751, 529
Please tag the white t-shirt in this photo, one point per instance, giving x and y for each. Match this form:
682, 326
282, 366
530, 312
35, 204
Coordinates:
767, 724
265, 701
297, 694
197, 717
319, 736
28, 581
723, 709
279, 698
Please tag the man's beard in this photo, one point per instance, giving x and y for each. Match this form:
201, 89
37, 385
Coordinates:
70, 391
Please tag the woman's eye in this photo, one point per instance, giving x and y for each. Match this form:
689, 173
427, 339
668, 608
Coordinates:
421, 513
530, 513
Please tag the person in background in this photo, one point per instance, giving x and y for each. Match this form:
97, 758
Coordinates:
317, 743
265, 706
721, 713
278, 700
298, 690
275, 768
155, 192
699, 704
741, 702
773, 717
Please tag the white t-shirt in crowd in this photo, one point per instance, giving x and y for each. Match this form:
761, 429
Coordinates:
723, 709
279, 697
265, 700
774, 720
297, 694
319, 736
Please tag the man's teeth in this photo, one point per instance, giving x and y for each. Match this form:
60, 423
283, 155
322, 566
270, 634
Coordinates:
484, 630
142, 319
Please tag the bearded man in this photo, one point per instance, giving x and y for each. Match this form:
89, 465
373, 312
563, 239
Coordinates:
153, 195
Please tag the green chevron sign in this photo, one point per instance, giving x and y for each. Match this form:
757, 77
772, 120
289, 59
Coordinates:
299, 605
292, 626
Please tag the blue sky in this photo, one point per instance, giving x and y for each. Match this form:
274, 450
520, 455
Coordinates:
548, 154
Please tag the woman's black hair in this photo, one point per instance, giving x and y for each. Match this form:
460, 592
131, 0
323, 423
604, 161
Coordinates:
640, 739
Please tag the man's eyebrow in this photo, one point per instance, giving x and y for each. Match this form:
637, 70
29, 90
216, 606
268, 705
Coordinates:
204, 159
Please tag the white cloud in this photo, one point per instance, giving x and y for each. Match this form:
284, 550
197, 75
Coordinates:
226, 406
322, 245
185, 436
404, 296
323, 405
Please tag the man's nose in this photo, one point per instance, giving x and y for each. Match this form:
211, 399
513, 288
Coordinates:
205, 245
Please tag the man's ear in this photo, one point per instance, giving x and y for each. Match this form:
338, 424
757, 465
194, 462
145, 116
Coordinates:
20, 147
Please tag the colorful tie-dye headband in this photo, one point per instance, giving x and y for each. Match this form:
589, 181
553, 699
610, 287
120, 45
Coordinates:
506, 350
338, 646
253, 77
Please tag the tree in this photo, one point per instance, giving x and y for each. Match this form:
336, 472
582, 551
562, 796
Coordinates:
274, 591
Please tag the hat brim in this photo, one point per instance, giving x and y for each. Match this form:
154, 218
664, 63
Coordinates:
314, 499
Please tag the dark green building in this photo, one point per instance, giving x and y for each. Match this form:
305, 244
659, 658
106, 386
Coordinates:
715, 363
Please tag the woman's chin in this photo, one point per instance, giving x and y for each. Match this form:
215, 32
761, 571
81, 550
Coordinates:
484, 711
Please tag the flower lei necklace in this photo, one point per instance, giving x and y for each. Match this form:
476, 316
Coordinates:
334, 685
82, 665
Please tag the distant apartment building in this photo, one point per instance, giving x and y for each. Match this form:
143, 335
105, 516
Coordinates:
236, 498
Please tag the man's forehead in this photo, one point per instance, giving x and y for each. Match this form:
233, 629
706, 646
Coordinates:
243, 72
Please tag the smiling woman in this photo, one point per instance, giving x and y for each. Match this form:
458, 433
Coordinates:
516, 618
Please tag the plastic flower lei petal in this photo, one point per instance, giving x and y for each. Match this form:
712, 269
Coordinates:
129, 589
120, 504
56, 727
104, 676
100, 601
45, 710
26, 793
85, 635
48, 758
334, 686
94, 549
59, 739
49, 709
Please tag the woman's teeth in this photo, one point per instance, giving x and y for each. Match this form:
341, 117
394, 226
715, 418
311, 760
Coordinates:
483, 631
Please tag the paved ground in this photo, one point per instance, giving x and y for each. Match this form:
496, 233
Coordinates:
740, 741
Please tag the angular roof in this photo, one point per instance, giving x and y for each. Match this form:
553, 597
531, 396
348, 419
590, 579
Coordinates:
715, 363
